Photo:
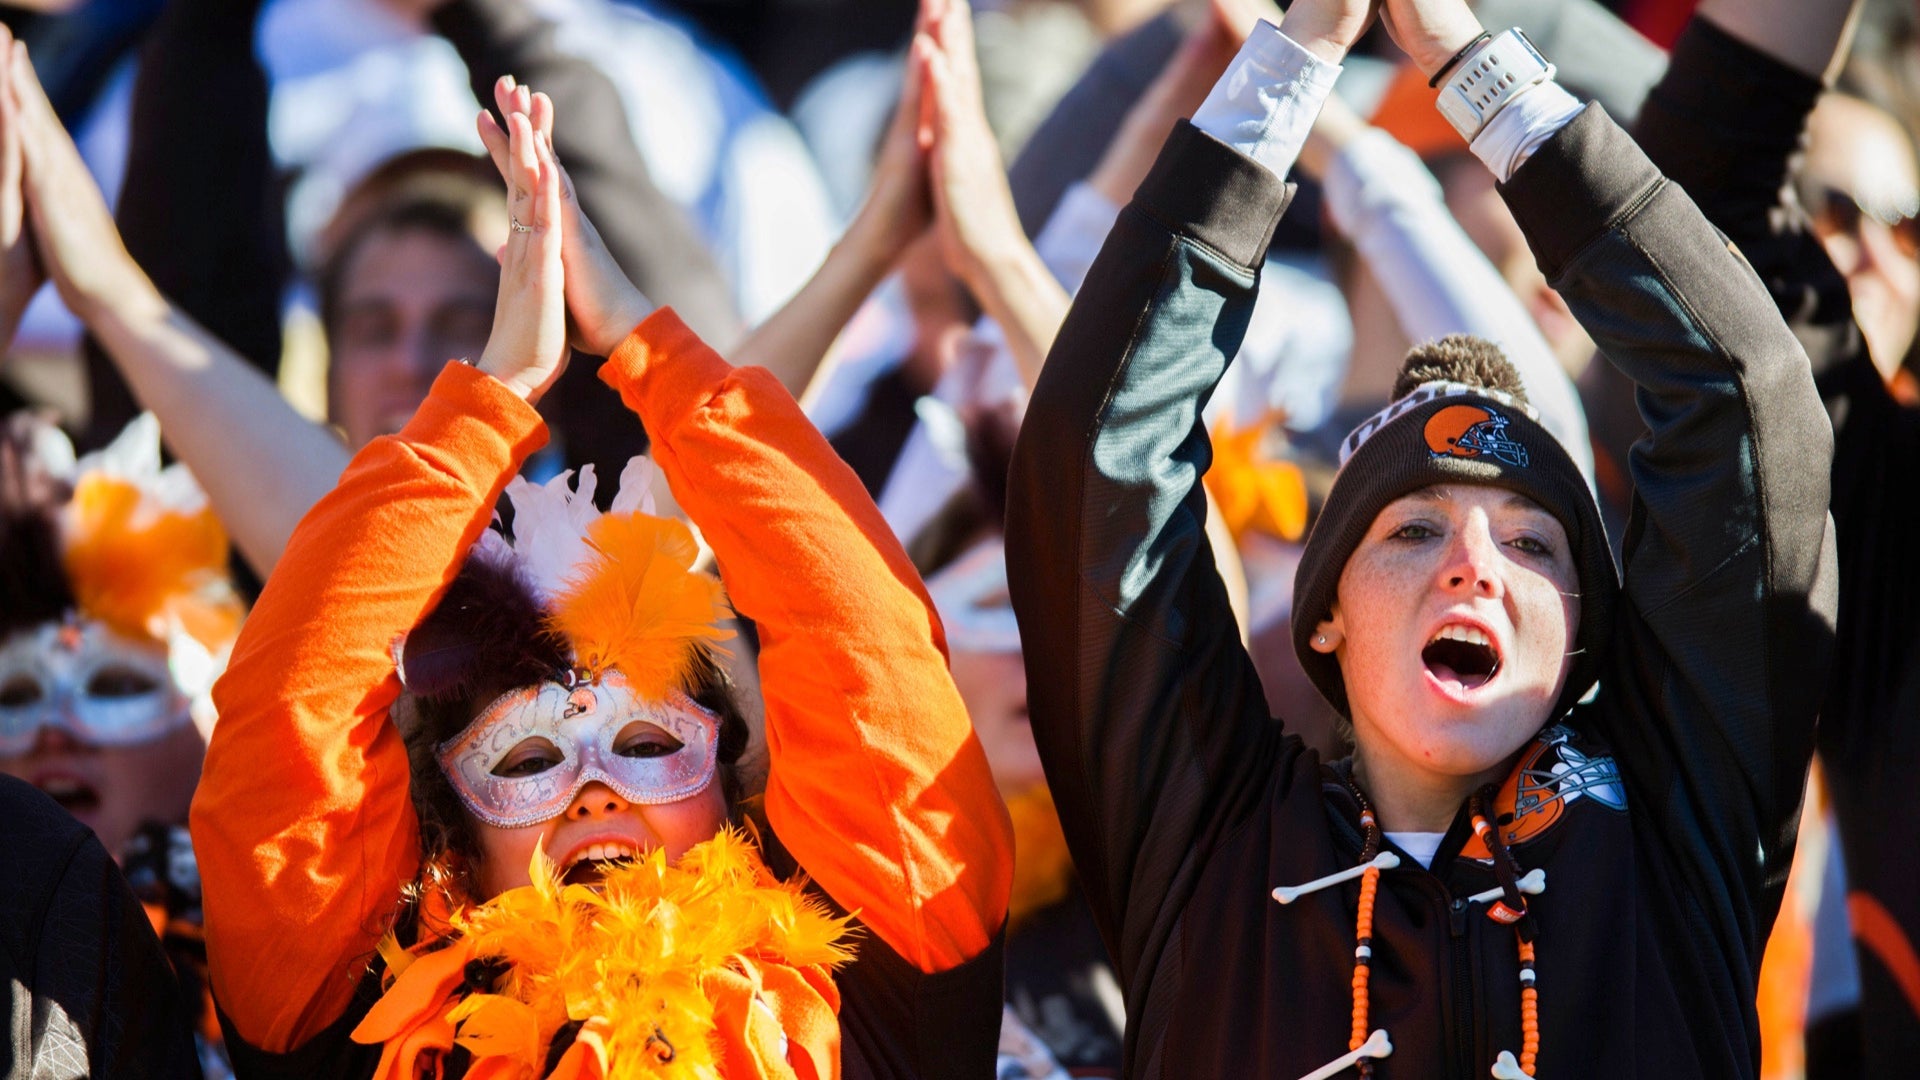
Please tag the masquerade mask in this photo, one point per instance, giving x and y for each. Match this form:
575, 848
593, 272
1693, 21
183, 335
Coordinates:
83, 678
971, 596
526, 756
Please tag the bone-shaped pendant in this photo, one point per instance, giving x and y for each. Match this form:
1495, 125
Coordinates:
1376, 1046
1506, 1068
1287, 894
1533, 883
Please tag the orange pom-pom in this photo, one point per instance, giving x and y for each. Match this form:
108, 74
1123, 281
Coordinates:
638, 606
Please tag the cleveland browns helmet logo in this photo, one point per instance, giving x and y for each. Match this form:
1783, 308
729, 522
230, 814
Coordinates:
1471, 431
1551, 775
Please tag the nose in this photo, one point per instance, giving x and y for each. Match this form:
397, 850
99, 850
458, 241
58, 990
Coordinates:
57, 736
596, 800
1472, 565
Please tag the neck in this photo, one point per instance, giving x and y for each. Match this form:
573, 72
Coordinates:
1412, 800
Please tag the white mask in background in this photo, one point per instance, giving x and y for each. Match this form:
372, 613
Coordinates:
83, 678
971, 595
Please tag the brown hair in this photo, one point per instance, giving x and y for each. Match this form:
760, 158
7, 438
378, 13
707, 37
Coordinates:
486, 636
437, 191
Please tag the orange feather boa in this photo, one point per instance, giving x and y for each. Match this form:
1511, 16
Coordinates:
707, 968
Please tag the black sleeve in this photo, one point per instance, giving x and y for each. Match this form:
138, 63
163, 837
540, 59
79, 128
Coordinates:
200, 209
88, 990
1721, 641
1728, 122
1150, 719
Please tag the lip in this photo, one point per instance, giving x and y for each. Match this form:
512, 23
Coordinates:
61, 778
1453, 691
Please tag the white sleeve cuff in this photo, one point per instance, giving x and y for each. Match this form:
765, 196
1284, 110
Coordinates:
1267, 101
1516, 131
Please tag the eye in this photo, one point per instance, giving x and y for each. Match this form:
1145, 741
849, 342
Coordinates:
20, 691
643, 740
1530, 545
530, 758
1413, 530
120, 682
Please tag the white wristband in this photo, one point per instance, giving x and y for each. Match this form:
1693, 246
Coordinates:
1485, 80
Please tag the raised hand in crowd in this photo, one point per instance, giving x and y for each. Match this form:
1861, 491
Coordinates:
19, 276
793, 342
528, 348
262, 464
1178, 90
602, 303
974, 217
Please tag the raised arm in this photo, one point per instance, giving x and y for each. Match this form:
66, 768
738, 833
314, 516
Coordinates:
303, 824
1723, 635
974, 216
1149, 717
878, 787
262, 464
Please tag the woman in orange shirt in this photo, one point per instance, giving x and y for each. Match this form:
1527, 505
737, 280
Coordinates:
424, 718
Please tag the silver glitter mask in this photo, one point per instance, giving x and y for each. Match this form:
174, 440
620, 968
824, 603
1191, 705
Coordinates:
591, 735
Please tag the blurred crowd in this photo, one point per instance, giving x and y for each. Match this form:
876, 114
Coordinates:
240, 240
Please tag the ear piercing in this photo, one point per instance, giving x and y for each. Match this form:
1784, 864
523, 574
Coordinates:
1322, 639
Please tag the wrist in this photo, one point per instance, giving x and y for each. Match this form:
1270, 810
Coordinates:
1327, 37
869, 247
1444, 45
125, 298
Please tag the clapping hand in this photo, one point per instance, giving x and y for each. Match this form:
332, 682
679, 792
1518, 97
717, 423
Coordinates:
528, 348
603, 304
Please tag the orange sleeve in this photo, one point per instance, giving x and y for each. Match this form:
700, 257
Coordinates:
878, 785
302, 824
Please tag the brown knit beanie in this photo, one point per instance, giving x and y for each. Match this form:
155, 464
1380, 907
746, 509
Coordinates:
1459, 416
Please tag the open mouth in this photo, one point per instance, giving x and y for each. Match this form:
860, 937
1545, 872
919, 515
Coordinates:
1463, 655
590, 864
74, 795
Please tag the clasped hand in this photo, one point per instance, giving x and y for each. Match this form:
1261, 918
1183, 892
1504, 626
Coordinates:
560, 288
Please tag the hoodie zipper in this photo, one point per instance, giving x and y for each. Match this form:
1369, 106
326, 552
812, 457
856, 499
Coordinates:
1458, 912
1460, 942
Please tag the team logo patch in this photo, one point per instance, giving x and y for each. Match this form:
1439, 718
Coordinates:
1473, 431
1552, 775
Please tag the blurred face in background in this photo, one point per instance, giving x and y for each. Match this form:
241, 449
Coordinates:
410, 299
94, 720
1861, 187
983, 642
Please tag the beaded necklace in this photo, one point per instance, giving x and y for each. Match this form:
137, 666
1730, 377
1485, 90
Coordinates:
1507, 905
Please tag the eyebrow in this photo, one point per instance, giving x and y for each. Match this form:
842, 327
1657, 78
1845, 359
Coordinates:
1514, 500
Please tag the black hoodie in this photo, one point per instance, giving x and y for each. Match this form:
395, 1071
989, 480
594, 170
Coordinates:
1663, 810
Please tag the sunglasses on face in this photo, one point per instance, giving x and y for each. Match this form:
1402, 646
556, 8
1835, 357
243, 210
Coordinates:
1837, 212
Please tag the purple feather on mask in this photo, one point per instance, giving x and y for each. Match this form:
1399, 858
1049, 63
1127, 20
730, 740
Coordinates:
487, 633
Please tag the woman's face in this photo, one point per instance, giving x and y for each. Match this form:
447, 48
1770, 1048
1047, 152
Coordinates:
646, 770
598, 825
1454, 623
93, 719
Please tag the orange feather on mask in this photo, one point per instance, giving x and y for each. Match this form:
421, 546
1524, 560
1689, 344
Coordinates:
639, 606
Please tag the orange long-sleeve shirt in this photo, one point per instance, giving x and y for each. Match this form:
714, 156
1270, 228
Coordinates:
303, 825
